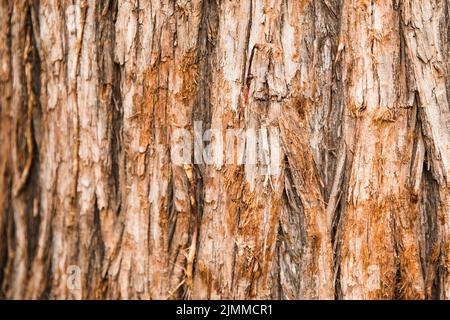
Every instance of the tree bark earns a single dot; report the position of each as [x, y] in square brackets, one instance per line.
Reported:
[93, 95]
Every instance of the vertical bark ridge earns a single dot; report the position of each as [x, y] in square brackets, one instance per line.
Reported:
[379, 224]
[422, 30]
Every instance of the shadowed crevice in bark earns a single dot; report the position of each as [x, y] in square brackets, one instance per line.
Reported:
[430, 234]
[33, 116]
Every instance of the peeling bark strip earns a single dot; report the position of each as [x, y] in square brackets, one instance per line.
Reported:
[94, 93]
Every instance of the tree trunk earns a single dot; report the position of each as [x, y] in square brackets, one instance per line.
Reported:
[354, 204]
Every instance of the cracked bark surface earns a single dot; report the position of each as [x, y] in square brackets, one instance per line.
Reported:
[93, 93]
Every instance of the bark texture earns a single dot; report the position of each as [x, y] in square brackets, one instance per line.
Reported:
[93, 93]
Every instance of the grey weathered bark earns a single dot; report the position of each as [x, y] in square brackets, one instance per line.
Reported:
[93, 93]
